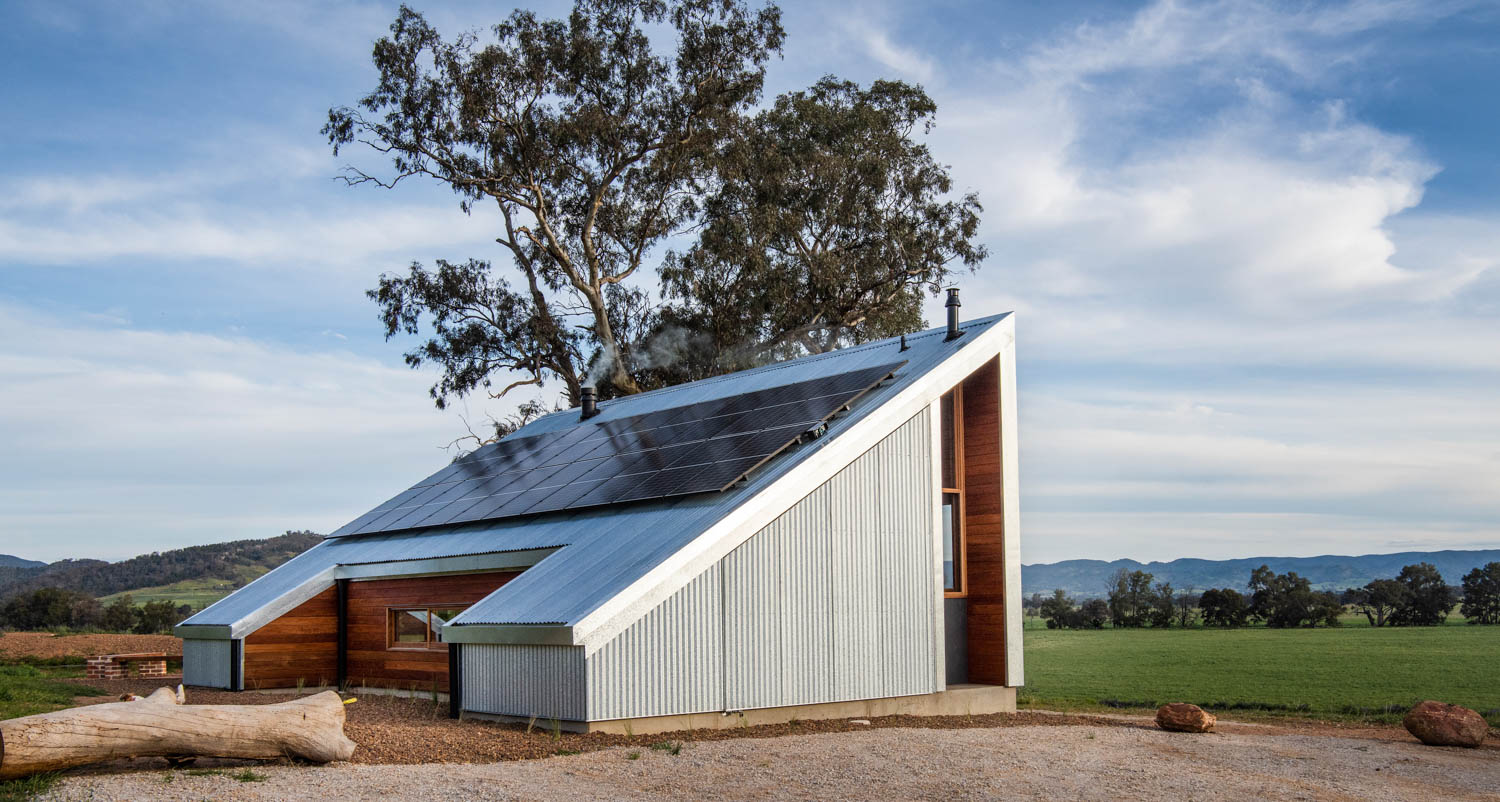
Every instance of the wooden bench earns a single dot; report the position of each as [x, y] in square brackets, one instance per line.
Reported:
[117, 666]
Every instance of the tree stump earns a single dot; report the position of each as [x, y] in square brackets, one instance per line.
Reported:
[310, 728]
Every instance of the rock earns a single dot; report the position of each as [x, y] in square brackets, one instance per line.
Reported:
[864, 721]
[1439, 724]
[1182, 717]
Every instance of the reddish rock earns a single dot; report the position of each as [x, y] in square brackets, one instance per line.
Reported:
[1182, 717]
[1439, 724]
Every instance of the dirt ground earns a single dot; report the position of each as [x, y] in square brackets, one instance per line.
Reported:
[401, 730]
[16, 645]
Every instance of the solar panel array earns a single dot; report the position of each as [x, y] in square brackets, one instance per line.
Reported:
[695, 448]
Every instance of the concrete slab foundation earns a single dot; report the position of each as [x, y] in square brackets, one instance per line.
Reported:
[958, 700]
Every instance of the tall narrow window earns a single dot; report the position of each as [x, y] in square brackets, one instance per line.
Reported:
[950, 440]
[953, 548]
[952, 468]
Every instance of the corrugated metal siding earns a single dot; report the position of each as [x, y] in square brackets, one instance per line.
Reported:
[883, 579]
[778, 611]
[524, 680]
[669, 662]
[205, 663]
[834, 600]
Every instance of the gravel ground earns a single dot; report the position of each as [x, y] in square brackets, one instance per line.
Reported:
[1101, 762]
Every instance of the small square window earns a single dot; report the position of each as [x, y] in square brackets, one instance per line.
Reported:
[419, 628]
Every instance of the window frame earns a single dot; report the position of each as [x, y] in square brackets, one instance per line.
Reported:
[393, 645]
[960, 545]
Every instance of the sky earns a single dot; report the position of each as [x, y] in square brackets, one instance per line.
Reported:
[1253, 250]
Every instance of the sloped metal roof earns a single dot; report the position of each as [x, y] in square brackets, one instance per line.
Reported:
[601, 551]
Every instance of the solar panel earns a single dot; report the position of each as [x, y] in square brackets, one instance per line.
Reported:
[694, 448]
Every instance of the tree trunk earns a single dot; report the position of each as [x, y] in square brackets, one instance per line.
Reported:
[310, 728]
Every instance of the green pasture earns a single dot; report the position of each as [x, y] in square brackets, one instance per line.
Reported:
[1349, 672]
[197, 592]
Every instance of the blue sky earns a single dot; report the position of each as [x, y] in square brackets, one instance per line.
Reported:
[1252, 247]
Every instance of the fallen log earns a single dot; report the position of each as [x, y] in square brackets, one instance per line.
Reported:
[159, 725]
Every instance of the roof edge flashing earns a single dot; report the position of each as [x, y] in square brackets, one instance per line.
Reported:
[510, 634]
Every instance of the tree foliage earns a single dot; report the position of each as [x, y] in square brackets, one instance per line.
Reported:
[1131, 599]
[825, 224]
[819, 220]
[1482, 595]
[587, 142]
[1425, 598]
[1288, 600]
[1379, 599]
[1223, 607]
[60, 609]
[1060, 613]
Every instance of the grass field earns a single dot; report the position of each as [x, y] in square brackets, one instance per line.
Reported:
[25, 690]
[1346, 672]
[198, 592]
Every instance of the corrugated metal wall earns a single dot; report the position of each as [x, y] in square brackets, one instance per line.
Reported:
[670, 661]
[835, 600]
[844, 587]
[206, 663]
[524, 680]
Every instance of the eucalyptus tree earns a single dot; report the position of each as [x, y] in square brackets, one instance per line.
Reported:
[586, 141]
[825, 223]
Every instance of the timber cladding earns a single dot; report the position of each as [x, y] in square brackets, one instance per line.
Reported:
[303, 644]
[984, 534]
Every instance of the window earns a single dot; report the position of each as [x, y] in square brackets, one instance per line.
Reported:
[418, 627]
[952, 464]
[953, 547]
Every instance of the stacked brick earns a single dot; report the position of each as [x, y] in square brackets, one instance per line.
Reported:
[117, 666]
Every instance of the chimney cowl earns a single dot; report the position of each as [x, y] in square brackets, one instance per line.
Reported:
[954, 332]
[589, 401]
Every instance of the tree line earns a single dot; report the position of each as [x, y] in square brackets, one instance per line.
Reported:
[54, 609]
[1417, 596]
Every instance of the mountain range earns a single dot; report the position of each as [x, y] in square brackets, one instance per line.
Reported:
[1090, 578]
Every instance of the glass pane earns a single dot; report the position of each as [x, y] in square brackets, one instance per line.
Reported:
[441, 617]
[409, 626]
[952, 545]
[950, 451]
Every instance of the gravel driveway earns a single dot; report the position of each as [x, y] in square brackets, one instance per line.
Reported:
[1040, 762]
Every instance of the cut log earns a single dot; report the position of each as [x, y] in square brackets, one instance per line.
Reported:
[310, 728]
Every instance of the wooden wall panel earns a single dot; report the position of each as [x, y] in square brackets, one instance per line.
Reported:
[303, 644]
[983, 525]
[371, 662]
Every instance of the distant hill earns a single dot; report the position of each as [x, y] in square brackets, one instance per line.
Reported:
[1088, 578]
[8, 561]
[220, 566]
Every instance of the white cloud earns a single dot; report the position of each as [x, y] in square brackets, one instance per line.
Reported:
[121, 440]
